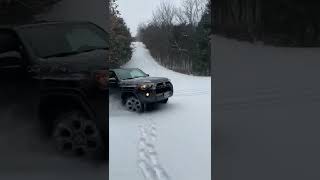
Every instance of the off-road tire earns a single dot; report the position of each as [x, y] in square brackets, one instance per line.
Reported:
[133, 104]
[164, 101]
[76, 135]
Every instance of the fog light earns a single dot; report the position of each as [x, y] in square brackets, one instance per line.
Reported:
[147, 94]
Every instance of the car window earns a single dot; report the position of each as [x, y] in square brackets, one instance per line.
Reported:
[112, 74]
[64, 39]
[77, 38]
[137, 73]
[129, 73]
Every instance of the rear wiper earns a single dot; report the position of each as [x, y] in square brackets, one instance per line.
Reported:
[63, 54]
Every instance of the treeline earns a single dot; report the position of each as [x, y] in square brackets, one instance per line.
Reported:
[275, 22]
[120, 50]
[178, 38]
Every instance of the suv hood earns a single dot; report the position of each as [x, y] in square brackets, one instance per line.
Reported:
[83, 63]
[142, 80]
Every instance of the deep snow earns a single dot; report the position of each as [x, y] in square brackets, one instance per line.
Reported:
[172, 141]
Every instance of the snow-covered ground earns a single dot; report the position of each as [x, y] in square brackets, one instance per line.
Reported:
[266, 120]
[171, 142]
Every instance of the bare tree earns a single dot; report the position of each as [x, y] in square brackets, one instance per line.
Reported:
[191, 11]
[164, 14]
[180, 16]
[174, 36]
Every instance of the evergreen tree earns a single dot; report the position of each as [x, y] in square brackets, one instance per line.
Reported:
[203, 48]
[120, 39]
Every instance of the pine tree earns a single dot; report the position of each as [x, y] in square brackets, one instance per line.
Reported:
[203, 49]
[120, 39]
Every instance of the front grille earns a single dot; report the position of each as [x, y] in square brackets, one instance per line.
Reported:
[163, 87]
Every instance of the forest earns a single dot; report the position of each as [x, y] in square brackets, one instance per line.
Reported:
[179, 37]
[276, 22]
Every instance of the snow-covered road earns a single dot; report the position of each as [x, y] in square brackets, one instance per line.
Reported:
[172, 141]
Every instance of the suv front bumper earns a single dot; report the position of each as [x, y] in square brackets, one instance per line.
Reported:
[153, 97]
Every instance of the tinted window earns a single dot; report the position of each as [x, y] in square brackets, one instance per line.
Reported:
[129, 73]
[64, 38]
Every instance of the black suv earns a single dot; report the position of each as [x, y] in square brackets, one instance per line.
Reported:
[62, 67]
[137, 89]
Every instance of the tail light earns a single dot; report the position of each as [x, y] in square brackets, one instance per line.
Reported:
[101, 78]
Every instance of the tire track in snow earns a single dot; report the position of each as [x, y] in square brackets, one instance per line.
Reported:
[148, 160]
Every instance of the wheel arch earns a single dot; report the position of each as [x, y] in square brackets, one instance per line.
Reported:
[125, 95]
[52, 105]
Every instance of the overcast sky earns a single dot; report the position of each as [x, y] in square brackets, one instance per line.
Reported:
[135, 12]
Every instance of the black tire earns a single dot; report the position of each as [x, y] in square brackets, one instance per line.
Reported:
[164, 101]
[76, 135]
[132, 103]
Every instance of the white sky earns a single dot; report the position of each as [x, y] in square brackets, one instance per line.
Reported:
[135, 12]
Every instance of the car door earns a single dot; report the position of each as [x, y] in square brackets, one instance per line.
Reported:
[113, 84]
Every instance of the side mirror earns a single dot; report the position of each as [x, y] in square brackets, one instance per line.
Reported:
[11, 59]
[148, 75]
[112, 80]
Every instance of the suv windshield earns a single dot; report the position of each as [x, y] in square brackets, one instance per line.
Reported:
[62, 39]
[124, 74]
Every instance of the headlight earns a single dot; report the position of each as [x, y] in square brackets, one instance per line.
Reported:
[145, 86]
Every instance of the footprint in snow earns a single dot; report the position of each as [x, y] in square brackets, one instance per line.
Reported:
[148, 160]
